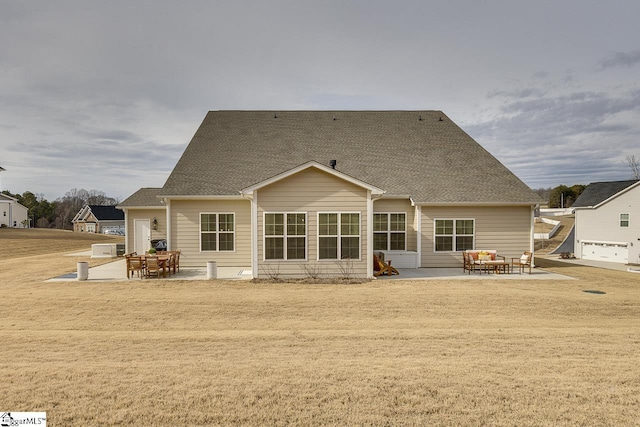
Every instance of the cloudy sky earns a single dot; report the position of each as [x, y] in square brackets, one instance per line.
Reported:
[105, 95]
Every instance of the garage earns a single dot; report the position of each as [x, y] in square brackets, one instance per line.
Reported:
[606, 251]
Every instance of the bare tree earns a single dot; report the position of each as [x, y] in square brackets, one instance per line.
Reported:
[633, 162]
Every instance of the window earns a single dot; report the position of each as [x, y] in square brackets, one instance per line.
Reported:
[217, 232]
[285, 236]
[389, 232]
[624, 220]
[338, 234]
[454, 235]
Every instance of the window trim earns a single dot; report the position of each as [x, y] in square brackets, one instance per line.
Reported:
[284, 236]
[339, 235]
[388, 232]
[453, 235]
[628, 220]
[217, 232]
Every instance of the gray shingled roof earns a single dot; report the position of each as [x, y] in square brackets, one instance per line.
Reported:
[598, 192]
[144, 197]
[420, 154]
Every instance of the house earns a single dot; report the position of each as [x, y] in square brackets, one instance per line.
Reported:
[12, 213]
[294, 192]
[99, 219]
[607, 226]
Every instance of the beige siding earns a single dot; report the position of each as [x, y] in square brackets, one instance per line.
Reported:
[312, 191]
[133, 214]
[603, 223]
[396, 206]
[185, 232]
[505, 229]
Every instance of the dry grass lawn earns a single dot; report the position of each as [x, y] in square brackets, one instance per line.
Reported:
[494, 353]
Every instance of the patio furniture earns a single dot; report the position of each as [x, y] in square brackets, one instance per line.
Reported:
[380, 267]
[497, 266]
[153, 267]
[469, 264]
[522, 262]
[486, 259]
[177, 261]
[171, 263]
[135, 264]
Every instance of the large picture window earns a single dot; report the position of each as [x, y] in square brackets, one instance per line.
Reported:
[389, 232]
[454, 235]
[217, 232]
[285, 236]
[339, 235]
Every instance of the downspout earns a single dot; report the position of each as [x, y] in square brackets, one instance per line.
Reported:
[167, 203]
[531, 231]
[368, 257]
[419, 236]
[369, 262]
[253, 198]
[126, 231]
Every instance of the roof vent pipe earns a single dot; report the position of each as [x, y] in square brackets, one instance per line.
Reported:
[332, 163]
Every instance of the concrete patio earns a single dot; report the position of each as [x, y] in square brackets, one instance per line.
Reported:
[116, 271]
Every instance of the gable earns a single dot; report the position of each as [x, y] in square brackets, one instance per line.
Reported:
[418, 154]
[312, 169]
[312, 189]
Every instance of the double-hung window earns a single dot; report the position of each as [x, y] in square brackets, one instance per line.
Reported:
[454, 235]
[339, 235]
[624, 220]
[389, 231]
[217, 232]
[285, 236]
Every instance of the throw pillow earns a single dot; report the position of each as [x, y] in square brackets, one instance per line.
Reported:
[524, 258]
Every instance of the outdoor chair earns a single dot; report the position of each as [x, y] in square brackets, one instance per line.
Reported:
[380, 267]
[153, 267]
[470, 264]
[177, 261]
[171, 263]
[134, 264]
[522, 262]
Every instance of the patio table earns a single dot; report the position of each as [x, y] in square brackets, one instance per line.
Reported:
[498, 266]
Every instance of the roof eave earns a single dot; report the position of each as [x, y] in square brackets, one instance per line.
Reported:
[465, 204]
[202, 197]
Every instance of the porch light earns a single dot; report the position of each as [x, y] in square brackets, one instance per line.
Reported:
[155, 224]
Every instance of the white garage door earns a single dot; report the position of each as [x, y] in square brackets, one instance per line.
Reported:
[611, 252]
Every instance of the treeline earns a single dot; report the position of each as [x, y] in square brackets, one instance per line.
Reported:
[60, 212]
[561, 196]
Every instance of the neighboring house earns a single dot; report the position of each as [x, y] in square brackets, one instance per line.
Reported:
[321, 191]
[12, 213]
[607, 226]
[99, 219]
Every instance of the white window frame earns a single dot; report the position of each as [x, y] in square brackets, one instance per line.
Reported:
[628, 220]
[339, 235]
[389, 231]
[285, 236]
[217, 232]
[454, 235]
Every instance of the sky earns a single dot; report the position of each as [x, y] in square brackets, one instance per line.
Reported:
[106, 95]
